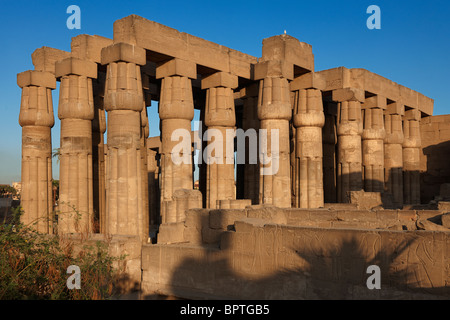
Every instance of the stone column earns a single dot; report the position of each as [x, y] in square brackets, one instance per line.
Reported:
[76, 112]
[36, 119]
[411, 157]
[219, 154]
[176, 111]
[308, 120]
[349, 130]
[145, 130]
[123, 103]
[250, 121]
[274, 113]
[373, 143]
[393, 152]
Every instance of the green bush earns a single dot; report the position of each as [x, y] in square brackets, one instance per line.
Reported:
[34, 266]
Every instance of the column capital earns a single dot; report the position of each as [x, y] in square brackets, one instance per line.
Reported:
[376, 101]
[412, 114]
[348, 94]
[36, 78]
[124, 52]
[75, 66]
[395, 108]
[309, 80]
[177, 67]
[220, 79]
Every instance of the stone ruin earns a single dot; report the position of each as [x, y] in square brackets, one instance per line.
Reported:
[362, 168]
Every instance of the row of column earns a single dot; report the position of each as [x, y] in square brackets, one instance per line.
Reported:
[377, 143]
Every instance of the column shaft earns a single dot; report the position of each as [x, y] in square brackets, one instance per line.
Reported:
[308, 120]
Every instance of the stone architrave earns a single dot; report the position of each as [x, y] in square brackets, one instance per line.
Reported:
[349, 130]
[123, 102]
[36, 119]
[220, 117]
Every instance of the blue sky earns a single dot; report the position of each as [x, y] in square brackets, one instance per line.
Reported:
[412, 48]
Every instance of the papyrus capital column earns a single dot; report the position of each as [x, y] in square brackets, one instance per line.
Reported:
[308, 119]
[76, 112]
[123, 102]
[274, 113]
[349, 130]
[411, 157]
[393, 151]
[176, 111]
[373, 143]
[220, 117]
[36, 119]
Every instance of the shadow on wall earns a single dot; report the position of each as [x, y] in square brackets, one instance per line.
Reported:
[322, 268]
[437, 170]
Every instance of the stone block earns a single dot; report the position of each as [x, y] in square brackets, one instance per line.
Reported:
[76, 66]
[36, 78]
[446, 220]
[124, 52]
[177, 67]
[365, 200]
[234, 203]
[249, 224]
[171, 233]
[376, 101]
[210, 236]
[348, 94]
[44, 58]
[89, 47]
[290, 49]
[222, 218]
[444, 206]
[309, 80]
[274, 68]
[395, 108]
[268, 212]
[412, 114]
[220, 79]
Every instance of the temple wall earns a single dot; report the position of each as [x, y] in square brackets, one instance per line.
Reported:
[435, 155]
[259, 260]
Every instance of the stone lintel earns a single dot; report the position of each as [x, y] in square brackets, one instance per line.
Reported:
[76, 66]
[88, 47]
[177, 67]
[348, 94]
[309, 80]
[376, 101]
[412, 114]
[274, 68]
[220, 79]
[395, 108]
[36, 78]
[125, 52]
[44, 58]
